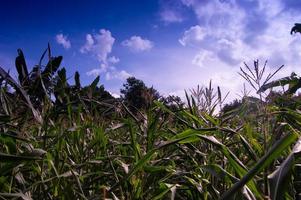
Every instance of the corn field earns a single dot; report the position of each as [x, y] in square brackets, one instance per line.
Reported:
[63, 141]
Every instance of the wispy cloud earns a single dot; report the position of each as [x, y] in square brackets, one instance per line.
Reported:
[203, 58]
[94, 72]
[113, 60]
[171, 11]
[170, 16]
[188, 2]
[138, 44]
[63, 40]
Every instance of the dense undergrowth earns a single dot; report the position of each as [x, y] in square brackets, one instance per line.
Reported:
[62, 141]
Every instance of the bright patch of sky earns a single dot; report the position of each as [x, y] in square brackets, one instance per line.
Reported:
[171, 44]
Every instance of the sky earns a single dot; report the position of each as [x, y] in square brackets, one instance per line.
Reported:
[171, 45]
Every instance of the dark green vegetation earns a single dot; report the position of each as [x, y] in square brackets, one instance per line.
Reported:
[63, 141]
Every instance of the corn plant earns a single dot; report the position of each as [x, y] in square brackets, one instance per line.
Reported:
[63, 141]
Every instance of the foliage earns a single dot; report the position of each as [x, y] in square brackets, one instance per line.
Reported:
[137, 95]
[63, 141]
[173, 103]
[231, 106]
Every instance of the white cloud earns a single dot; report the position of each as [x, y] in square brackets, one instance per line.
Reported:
[193, 35]
[188, 2]
[227, 26]
[102, 69]
[63, 40]
[138, 44]
[270, 9]
[113, 60]
[121, 75]
[226, 34]
[203, 58]
[124, 75]
[88, 45]
[109, 74]
[170, 16]
[221, 19]
[223, 41]
[115, 95]
[94, 72]
[100, 45]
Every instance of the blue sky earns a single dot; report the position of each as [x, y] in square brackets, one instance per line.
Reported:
[170, 44]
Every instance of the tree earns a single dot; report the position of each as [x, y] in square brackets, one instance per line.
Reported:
[137, 95]
[231, 106]
[173, 102]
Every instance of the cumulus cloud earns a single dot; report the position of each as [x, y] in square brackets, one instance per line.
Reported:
[88, 45]
[63, 40]
[224, 35]
[138, 44]
[100, 45]
[193, 35]
[121, 75]
[226, 29]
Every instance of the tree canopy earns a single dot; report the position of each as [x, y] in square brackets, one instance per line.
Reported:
[137, 95]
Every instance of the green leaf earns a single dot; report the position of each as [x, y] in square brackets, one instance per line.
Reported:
[51, 67]
[267, 159]
[168, 187]
[77, 80]
[248, 147]
[142, 162]
[292, 80]
[278, 177]
[94, 83]
[21, 68]
[237, 165]
[220, 173]
[18, 88]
